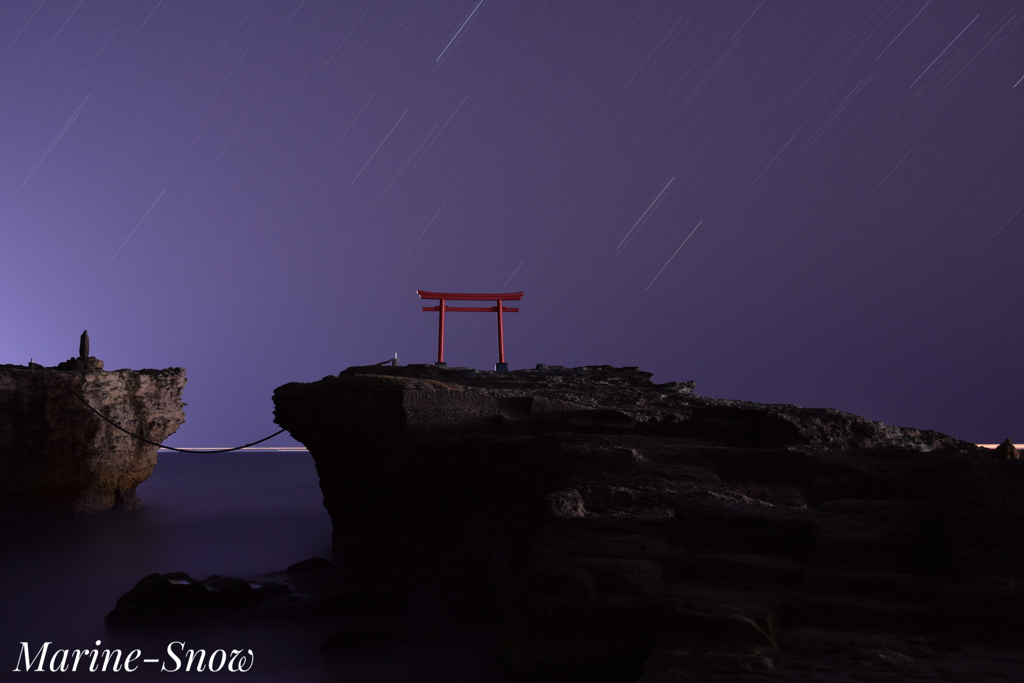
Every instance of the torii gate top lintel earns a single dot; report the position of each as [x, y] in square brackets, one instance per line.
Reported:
[498, 308]
[454, 296]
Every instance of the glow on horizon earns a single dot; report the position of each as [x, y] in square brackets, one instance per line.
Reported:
[221, 448]
[1018, 446]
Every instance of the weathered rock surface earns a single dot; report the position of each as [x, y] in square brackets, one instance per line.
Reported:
[632, 531]
[58, 455]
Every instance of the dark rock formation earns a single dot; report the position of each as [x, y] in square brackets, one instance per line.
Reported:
[176, 599]
[632, 531]
[313, 587]
[363, 610]
[1007, 451]
[56, 454]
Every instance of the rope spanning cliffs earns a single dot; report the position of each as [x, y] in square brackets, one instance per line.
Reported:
[626, 530]
[87, 363]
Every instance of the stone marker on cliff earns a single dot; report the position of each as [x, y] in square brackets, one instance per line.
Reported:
[83, 362]
[58, 455]
[628, 531]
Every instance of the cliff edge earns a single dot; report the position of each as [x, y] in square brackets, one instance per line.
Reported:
[57, 455]
[627, 530]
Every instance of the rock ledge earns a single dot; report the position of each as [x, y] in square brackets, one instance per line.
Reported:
[627, 530]
[57, 455]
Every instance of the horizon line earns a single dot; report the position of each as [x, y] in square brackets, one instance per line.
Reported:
[1019, 446]
[224, 448]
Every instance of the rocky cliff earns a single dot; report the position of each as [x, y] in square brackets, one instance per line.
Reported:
[628, 530]
[56, 454]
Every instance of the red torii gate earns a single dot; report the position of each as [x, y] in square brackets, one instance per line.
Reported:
[498, 308]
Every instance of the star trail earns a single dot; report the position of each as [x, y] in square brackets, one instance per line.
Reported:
[254, 190]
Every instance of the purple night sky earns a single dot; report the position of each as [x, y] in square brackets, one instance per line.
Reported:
[816, 203]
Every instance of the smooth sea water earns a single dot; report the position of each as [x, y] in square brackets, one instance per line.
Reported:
[234, 514]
